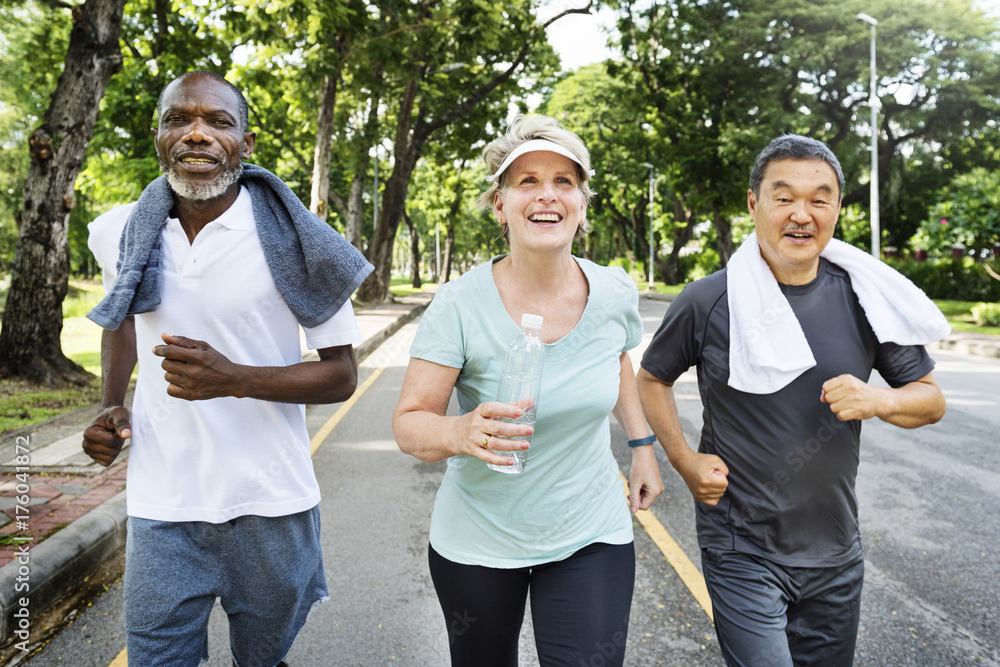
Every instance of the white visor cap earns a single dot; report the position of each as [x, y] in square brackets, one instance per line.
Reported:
[532, 146]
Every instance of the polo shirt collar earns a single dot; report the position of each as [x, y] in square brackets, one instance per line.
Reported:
[239, 216]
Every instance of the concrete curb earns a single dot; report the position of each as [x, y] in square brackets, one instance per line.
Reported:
[657, 296]
[371, 344]
[978, 347]
[64, 560]
[61, 562]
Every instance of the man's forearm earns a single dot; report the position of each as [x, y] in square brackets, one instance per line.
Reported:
[118, 359]
[913, 405]
[330, 380]
[660, 408]
[706, 475]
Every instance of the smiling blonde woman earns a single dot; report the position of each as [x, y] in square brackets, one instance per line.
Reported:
[561, 530]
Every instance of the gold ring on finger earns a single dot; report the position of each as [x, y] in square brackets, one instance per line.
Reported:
[485, 440]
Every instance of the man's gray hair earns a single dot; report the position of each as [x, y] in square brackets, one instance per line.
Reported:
[794, 147]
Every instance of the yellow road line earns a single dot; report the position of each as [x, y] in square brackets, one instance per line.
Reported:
[685, 569]
[121, 660]
[331, 424]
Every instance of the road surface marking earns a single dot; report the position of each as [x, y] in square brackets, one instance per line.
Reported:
[121, 660]
[324, 432]
[678, 560]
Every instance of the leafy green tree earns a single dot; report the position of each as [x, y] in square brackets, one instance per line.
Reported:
[465, 54]
[33, 39]
[612, 117]
[727, 76]
[937, 80]
[968, 213]
[298, 65]
[706, 81]
[442, 203]
[32, 320]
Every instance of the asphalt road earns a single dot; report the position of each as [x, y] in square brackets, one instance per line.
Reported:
[930, 515]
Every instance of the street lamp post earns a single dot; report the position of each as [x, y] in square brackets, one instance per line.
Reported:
[652, 173]
[873, 103]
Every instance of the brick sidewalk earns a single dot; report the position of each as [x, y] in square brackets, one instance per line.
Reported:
[55, 501]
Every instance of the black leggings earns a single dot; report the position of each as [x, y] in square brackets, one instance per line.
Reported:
[579, 606]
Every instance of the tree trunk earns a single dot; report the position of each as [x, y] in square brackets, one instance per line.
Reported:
[414, 250]
[320, 195]
[671, 268]
[449, 239]
[449, 246]
[411, 137]
[355, 212]
[355, 203]
[376, 288]
[723, 235]
[32, 321]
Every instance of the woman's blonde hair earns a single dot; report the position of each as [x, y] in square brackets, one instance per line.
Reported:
[525, 128]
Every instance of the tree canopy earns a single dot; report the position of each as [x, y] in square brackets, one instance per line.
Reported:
[694, 89]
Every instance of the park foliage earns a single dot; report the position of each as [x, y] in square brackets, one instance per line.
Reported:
[376, 114]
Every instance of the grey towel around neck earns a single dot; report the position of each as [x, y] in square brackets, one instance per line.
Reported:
[314, 268]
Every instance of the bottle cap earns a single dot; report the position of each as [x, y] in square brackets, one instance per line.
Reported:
[529, 321]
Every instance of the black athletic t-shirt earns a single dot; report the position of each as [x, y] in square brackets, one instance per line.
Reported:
[792, 463]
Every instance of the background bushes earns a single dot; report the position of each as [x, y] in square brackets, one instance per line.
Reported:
[958, 279]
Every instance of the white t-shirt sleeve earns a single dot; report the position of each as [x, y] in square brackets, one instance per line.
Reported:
[105, 234]
[341, 329]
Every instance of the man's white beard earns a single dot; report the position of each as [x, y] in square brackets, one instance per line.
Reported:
[205, 191]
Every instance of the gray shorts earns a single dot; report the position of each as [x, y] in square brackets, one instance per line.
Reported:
[267, 571]
[770, 615]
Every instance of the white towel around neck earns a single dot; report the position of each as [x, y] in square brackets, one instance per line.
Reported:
[767, 348]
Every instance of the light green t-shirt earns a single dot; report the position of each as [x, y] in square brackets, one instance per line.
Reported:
[570, 494]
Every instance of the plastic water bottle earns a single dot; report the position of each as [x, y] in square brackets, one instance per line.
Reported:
[521, 382]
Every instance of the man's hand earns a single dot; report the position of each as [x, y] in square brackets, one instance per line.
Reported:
[195, 370]
[104, 438]
[913, 405]
[851, 398]
[706, 475]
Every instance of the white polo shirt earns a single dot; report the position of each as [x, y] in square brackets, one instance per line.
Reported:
[217, 459]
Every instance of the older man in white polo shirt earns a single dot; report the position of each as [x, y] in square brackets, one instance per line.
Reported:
[210, 276]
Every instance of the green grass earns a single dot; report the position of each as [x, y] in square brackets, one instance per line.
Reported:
[959, 314]
[81, 338]
[660, 288]
[23, 404]
[403, 286]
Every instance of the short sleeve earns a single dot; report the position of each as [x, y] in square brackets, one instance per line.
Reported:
[440, 336]
[677, 344]
[341, 329]
[628, 294]
[104, 237]
[901, 364]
